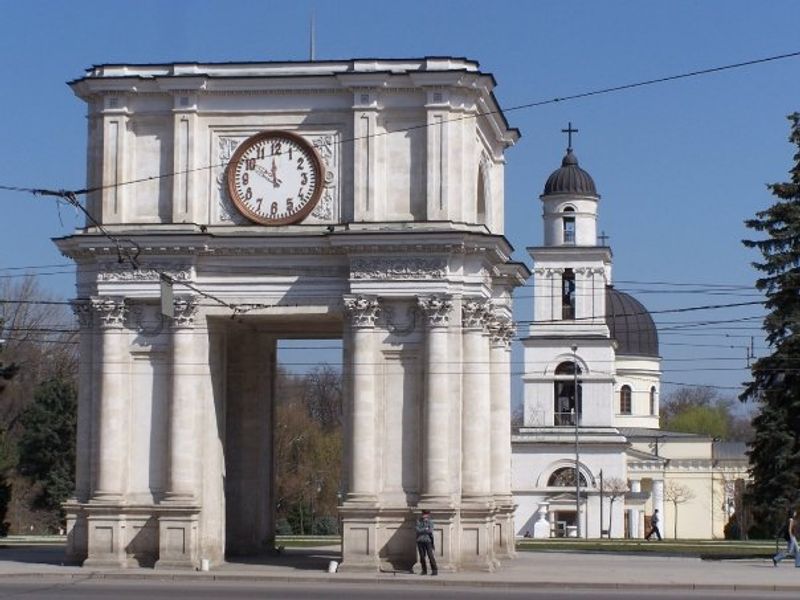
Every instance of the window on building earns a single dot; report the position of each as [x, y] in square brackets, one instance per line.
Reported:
[567, 407]
[565, 477]
[481, 197]
[568, 294]
[625, 400]
[653, 400]
[569, 225]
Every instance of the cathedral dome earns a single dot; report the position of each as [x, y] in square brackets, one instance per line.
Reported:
[570, 179]
[630, 324]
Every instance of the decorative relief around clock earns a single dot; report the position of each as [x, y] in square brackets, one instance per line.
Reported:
[278, 178]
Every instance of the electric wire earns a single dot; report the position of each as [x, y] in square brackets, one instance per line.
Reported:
[475, 115]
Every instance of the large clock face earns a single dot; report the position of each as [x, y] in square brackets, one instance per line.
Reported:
[275, 178]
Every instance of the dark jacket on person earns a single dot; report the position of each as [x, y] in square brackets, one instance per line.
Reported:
[425, 530]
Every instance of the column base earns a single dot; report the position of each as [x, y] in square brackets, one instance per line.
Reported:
[106, 541]
[504, 529]
[477, 539]
[178, 539]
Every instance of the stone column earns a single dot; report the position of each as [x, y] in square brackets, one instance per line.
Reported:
[177, 522]
[185, 357]
[83, 312]
[436, 489]
[476, 415]
[501, 333]
[112, 407]
[658, 503]
[363, 311]
[633, 513]
[77, 534]
[360, 511]
[106, 526]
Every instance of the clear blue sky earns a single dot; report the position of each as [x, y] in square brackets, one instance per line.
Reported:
[679, 165]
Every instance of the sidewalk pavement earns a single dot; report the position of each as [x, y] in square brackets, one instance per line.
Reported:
[529, 569]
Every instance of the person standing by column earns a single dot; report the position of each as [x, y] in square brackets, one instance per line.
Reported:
[790, 535]
[425, 544]
[654, 521]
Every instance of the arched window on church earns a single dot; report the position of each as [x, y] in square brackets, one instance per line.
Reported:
[653, 400]
[565, 477]
[567, 404]
[568, 294]
[569, 225]
[481, 197]
[625, 400]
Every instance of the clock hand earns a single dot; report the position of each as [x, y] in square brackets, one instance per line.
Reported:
[268, 175]
[263, 172]
[275, 181]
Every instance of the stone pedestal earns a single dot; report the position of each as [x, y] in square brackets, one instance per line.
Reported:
[107, 537]
[178, 538]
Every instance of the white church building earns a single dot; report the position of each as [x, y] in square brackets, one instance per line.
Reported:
[591, 385]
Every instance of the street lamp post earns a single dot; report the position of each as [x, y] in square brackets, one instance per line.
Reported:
[576, 415]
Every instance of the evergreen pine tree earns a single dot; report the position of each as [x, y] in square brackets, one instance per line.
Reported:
[775, 385]
[47, 444]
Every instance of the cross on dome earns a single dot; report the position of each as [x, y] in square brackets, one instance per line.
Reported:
[569, 131]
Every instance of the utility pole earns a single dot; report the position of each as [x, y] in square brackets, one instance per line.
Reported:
[576, 416]
[601, 504]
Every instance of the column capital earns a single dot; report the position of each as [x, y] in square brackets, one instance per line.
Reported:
[362, 310]
[112, 310]
[501, 332]
[475, 314]
[82, 308]
[436, 309]
[185, 311]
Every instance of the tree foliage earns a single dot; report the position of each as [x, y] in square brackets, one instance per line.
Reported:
[47, 443]
[308, 449]
[775, 384]
[704, 411]
[39, 344]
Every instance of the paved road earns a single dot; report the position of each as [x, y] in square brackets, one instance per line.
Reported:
[153, 590]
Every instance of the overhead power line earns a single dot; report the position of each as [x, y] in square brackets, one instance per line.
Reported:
[475, 115]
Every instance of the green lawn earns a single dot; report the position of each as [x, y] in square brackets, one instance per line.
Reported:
[710, 549]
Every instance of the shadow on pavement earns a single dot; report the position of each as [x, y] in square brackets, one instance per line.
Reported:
[43, 554]
[305, 559]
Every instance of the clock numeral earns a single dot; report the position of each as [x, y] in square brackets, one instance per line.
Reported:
[290, 153]
[248, 194]
[258, 204]
[289, 205]
[260, 151]
[303, 178]
[245, 179]
[250, 164]
[275, 149]
[273, 210]
[300, 163]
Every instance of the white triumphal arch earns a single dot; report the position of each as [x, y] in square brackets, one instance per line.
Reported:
[237, 204]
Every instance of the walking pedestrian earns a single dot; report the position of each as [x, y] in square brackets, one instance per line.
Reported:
[789, 532]
[654, 521]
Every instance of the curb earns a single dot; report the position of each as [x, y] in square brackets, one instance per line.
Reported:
[441, 581]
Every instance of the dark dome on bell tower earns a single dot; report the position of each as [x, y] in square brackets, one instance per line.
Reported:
[570, 179]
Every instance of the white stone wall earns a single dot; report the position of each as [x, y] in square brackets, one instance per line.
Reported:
[402, 258]
[393, 138]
